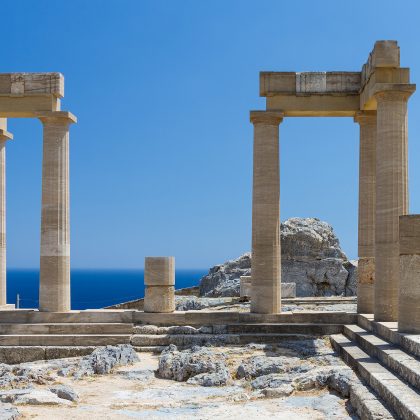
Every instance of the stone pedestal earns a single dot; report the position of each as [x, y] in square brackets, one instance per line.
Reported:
[54, 287]
[4, 136]
[409, 296]
[159, 283]
[391, 198]
[266, 262]
[245, 286]
[367, 206]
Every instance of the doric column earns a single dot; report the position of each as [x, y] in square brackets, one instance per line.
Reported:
[367, 176]
[391, 198]
[54, 288]
[266, 258]
[4, 136]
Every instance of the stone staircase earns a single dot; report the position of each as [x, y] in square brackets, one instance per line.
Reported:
[35, 336]
[390, 371]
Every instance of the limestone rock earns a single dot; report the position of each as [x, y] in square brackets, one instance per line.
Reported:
[66, 392]
[262, 365]
[104, 359]
[282, 391]
[273, 380]
[8, 412]
[198, 365]
[40, 397]
[311, 258]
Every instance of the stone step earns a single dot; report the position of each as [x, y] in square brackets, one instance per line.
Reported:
[29, 316]
[400, 362]
[389, 332]
[66, 328]
[403, 400]
[64, 339]
[181, 340]
[314, 329]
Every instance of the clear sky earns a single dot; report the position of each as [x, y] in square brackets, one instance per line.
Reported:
[161, 159]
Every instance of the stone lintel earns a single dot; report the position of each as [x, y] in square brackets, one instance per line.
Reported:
[309, 83]
[314, 105]
[64, 116]
[29, 84]
[27, 106]
[409, 231]
[266, 117]
[5, 135]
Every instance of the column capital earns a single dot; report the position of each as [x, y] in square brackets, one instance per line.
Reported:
[266, 117]
[60, 117]
[393, 91]
[365, 117]
[5, 135]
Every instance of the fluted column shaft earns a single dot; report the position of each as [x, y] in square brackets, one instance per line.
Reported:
[391, 198]
[4, 136]
[266, 258]
[367, 205]
[54, 292]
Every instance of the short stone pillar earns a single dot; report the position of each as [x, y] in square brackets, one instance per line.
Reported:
[409, 296]
[159, 283]
[245, 286]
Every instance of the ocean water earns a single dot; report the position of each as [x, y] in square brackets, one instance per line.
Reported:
[91, 289]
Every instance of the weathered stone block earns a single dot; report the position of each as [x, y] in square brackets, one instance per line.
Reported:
[159, 271]
[245, 286]
[409, 303]
[159, 299]
[288, 290]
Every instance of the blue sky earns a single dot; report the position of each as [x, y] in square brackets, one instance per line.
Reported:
[161, 159]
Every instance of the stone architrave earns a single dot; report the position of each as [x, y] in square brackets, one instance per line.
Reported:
[159, 282]
[4, 136]
[54, 288]
[266, 260]
[367, 186]
[409, 297]
[391, 198]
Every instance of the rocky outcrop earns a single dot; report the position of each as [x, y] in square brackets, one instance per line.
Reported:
[311, 258]
[198, 366]
[104, 359]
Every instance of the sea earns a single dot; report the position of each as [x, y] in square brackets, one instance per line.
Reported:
[92, 289]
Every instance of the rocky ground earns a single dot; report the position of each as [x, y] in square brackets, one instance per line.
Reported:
[300, 379]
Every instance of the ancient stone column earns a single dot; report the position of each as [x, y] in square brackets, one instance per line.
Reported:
[266, 258]
[367, 186]
[159, 282]
[54, 287]
[4, 136]
[409, 298]
[391, 198]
